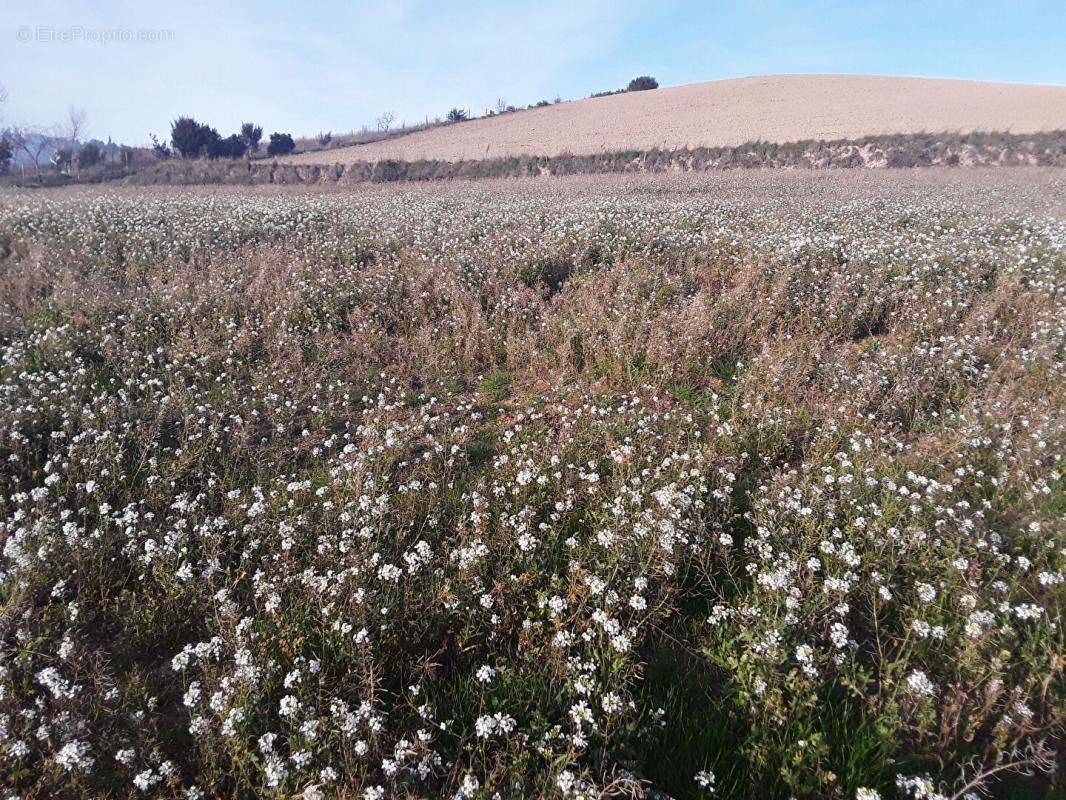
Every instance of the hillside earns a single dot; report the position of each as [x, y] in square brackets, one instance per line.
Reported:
[782, 108]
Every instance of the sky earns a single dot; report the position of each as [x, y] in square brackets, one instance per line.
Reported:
[337, 65]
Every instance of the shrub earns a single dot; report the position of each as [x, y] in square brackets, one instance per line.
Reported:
[232, 146]
[191, 138]
[388, 170]
[89, 155]
[6, 152]
[458, 115]
[642, 84]
[160, 149]
[899, 158]
[281, 144]
[63, 158]
[324, 139]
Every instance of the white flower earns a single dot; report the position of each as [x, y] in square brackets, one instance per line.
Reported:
[74, 757]
[145, 780]
[919, 683]
[275, 771]
[484, 726]
[289, 706]
[611, 703]
[565, 781]
[926, 593]
[469, 785]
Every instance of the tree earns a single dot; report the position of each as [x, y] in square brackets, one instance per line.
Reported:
[232, 146]
[33, 143]
[281, 144]
[501, 105]
[89, 155]
[385, 121]
[251, 134]
[6, 152]
[191, 138]
[7, 147]
[62, 159]
[70, 130]
[642, 84]
[458, 115]
[74, 126]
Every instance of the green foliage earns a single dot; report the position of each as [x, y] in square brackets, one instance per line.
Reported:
[642, 84]
[281, 144]
[192, 139]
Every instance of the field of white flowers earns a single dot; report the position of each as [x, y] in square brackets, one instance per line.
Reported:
[732, 487]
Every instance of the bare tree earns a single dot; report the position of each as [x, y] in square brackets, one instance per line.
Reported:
[33, 143]
[72, 129]
[501, 105]
[385, 121]
[74, 126]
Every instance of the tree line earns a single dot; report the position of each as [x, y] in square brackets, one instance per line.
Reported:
[192, 139]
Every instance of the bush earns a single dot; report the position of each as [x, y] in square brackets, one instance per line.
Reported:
[388, 170]
[89, 155]
[233, 146]
[458, 115]
[281, 144]
[250, 135]
[6, 153]
[160, 149]
[191, 138]
[63, 158]
[642, 84]
[324, 139]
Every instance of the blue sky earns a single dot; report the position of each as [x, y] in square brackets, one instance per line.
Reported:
[309, 67]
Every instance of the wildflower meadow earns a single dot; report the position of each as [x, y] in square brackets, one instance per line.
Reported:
[740, 486]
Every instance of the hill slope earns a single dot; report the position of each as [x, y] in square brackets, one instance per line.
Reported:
[778, 108]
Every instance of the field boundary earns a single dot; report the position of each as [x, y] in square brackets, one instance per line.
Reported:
[897, 151]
